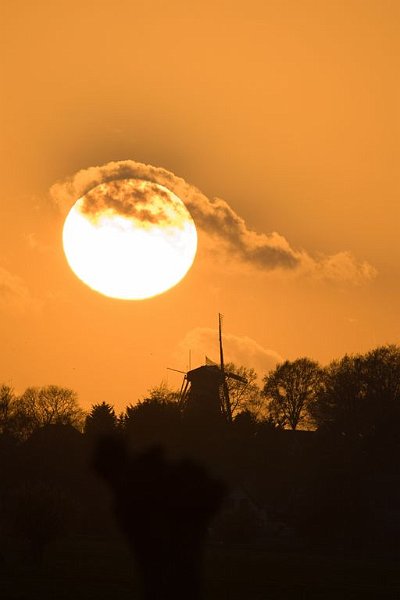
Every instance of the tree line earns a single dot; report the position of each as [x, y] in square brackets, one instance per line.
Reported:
[357, 394]
[312, 448]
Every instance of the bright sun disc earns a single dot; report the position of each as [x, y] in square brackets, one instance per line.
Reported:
[130, 239]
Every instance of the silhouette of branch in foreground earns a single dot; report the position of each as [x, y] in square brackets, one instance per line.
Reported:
[164, 509]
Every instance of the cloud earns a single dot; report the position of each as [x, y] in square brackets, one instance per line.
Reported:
[13, 292]
[241, 350]
[343, 267]
[145, 202]
[215, 218]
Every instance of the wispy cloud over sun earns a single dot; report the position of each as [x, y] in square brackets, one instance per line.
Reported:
[216, 219]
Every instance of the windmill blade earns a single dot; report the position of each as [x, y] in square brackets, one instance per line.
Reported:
[176, 370]
[183, 392]
[235, 376]
[226, 401]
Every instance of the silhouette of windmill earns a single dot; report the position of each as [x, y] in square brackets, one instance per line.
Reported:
[205, 389]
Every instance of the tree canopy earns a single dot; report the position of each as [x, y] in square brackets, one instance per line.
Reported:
[244, 395]
[291, 388]
[48, 405]
[361, 393]
[101, 420]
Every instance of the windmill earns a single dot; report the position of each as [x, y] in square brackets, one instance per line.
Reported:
[205, 389]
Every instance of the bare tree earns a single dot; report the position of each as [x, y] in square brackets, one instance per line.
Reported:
[162, 393]
[292, 388]
[7, 408]
[244, 395]
[48, 405]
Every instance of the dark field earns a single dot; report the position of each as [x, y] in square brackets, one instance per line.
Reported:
[285, 514]
[100, 569]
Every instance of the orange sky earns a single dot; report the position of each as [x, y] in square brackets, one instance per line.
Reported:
[287, 110]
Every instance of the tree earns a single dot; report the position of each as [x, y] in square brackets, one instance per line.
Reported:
[49, 405]
[245, 423]
[361, 393]
[339, 402]
[163, 394]
[7, 408]
[244, 396]
[382, 383]
[153, 420]
[101, 420]
[291, 389]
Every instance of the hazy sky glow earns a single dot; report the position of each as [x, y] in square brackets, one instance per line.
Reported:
[277, 125]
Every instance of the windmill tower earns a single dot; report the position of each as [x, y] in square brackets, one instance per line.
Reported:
[205, 390]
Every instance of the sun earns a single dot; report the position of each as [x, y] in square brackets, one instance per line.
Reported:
[130, 239]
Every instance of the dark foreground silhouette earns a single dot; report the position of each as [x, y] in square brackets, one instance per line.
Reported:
[310, 514]
[164, 509]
